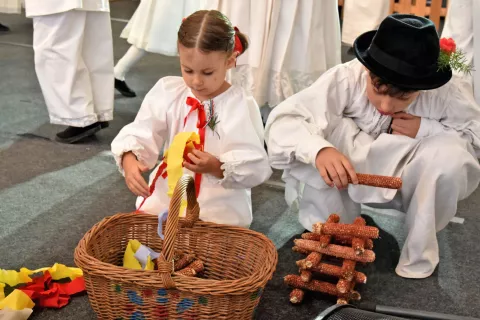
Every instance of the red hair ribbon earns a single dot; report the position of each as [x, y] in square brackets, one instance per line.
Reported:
[238, 44]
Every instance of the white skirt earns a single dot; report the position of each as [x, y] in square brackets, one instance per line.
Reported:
[154, 25]
[360, 16]
[253, 18]
[10, 6]
[303, 43]
[463, 24]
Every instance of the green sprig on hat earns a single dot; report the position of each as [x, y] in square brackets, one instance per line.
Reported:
[452, 58]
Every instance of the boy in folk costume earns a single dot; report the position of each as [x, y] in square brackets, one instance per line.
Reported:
[73, 48]
[341, 125]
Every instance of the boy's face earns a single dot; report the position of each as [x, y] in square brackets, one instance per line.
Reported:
[204, 73]
[386, 104]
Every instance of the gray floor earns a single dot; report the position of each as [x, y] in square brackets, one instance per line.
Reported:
[51, 194]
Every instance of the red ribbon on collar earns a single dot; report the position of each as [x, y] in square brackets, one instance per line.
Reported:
[201, 126]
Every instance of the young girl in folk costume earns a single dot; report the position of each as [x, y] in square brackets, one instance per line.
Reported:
[231, 157]
[399, 84]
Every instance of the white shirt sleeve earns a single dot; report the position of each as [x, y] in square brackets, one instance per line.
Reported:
[296, 128]
[245, 161]
[145, 136]
[430, 127]
[459, 113]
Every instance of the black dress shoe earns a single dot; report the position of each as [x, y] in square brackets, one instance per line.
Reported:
[74, 134]
[122, 87]
[104, 124]
[4, 28]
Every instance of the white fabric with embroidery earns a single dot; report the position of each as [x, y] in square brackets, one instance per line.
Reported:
[303, 42]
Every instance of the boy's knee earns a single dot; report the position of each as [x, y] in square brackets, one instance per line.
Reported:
[448, 157]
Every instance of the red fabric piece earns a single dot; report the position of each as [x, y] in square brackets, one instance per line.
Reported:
[160, 172]
[201, 125]
[48, 294]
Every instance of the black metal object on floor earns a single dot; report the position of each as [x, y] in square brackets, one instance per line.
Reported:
[372, 311]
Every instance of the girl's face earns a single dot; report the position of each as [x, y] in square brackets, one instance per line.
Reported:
[204, 73]
[385, 104]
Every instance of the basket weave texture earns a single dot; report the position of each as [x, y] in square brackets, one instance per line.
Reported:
[238, 264]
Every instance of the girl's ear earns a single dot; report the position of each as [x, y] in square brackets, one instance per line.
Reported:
[231, 61]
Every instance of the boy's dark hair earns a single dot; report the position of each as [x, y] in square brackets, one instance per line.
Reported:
[384, 87]
[210, 30]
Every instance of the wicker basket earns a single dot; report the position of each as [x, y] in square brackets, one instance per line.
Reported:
[238, 263]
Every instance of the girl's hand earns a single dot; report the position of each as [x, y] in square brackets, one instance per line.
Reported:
[133, 175]
[335, 168]
[204, 162]
[406, 124]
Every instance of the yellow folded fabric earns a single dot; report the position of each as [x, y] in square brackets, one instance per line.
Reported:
[57, 271]
[17, 300]
[129, 260]
[13, 278]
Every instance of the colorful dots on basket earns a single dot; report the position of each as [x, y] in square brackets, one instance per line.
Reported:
[137, 315]
[256, 294]
[117, 288]
[203, 301]
[184, 305]
[147, 293]
[129, 308]
[162, 296]
[161, 312]
[134, 297]
[162, 300]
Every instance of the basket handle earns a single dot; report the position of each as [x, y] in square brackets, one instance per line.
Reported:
[185, 185]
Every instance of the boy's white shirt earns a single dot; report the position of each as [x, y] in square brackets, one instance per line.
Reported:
[239, 145]
[336, 108]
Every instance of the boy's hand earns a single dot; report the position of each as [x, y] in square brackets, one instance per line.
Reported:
[133, 175]
[405, 124]
[335, 168]
[204, 162]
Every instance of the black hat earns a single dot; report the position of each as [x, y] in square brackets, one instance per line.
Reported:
[404, 52]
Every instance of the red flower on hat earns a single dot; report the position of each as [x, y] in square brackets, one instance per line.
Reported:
[448, 45]
[451, 58]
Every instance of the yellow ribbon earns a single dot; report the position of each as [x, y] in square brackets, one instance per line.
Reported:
[175, 156]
